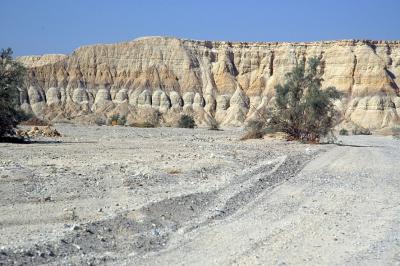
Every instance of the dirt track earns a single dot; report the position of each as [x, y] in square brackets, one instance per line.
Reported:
[117, 195]
[343, 208]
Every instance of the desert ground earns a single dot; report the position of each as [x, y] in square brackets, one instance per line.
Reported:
[168, 196]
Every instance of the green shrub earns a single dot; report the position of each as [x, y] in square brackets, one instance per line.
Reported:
[12, 75]
[361, 131]
[117, 120]
[303, 110]
[121, 121]
[24, 116]
[186, 121]
[344, 132]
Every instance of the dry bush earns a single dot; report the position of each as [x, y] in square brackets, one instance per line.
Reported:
[255, 129]
[174, 171]
[34, 121]
[361, 131]
[146, 119]
[143, 125]
[100, 121]
[252, 135]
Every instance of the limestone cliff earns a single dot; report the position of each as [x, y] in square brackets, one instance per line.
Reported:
[225, 81]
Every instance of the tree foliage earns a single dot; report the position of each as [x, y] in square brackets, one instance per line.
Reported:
[186, 121]
[303, 110]
[11, 79]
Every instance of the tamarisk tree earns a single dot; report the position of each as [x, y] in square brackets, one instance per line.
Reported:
[303, 109]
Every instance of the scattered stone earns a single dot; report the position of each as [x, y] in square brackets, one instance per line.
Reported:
[35, 131]
[47, 198]
[89, 231]
[75, 227]
[41, 254]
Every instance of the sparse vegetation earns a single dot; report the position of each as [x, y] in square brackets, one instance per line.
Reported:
[121, 121]
[143, 125]
[255, 129]
[186, 121]
[344, 132]
[65, 121]
[361, 131]
[150, 120]
[11, 79]
[396, 132]
[174, 171]
[214, 125]
[24, 116]
[34, 121]
[100, 121]
[303, 110]
[117, 120]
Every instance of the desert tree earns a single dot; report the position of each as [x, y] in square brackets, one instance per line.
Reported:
[303, 109]
[12, 75]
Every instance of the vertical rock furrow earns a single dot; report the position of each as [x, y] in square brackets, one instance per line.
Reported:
[224, 81]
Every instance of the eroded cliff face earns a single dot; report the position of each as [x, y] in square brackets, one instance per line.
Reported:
[210, 80]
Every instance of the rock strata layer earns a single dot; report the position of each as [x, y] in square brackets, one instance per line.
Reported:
[223, 81]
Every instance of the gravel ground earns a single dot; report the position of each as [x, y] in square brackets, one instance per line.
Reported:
[115, 195]
[343, 208]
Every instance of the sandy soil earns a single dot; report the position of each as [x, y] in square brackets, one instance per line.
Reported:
[114, 195]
